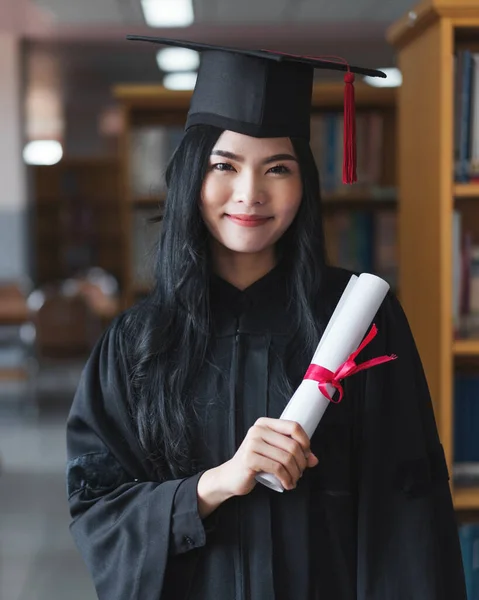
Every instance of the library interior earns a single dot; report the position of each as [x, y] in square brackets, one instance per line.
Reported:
[89, 122]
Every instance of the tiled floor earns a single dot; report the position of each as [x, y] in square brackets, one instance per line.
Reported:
[38, 559]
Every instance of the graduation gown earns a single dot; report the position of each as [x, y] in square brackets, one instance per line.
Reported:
[373, 521]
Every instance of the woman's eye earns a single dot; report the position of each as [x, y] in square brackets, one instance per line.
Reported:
[222, 167]
[279, 170]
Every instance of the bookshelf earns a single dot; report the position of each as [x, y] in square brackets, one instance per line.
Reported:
[153, 106]
[427, 39]
[77, 221]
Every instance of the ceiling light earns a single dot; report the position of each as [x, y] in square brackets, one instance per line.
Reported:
[393, 79]
[178, 59]
[43, 152]
[180, 81]
[168, 13]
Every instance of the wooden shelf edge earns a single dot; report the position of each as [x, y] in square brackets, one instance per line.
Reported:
[415, 21]
[360, 196]
[151, 94]
[466, 347]
[466, 498]
[327, 94]
[411, 24]
[13, 374]
[466, 190]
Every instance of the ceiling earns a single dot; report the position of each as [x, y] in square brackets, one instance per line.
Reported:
[86, 38]
[128, 12]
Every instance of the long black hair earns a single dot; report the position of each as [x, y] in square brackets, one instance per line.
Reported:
[171, 328]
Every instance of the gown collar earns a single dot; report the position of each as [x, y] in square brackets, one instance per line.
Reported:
[262, 307]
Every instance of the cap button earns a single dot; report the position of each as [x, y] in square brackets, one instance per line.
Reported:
[349, 77]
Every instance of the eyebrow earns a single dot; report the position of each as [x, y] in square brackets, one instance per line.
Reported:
[266, 161]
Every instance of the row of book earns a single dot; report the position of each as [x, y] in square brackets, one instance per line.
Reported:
[327, 130]
[363, 241]
[153, 146]
[466, 468]
[465, 288]
[469, 539]
[466, 116]
[466, 428]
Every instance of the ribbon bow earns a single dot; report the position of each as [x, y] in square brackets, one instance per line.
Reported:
[324, 376]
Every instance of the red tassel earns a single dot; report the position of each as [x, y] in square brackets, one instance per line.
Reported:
[349, 151]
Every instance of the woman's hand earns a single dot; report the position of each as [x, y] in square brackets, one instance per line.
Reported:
[271, 445]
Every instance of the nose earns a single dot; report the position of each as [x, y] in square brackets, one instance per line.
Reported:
[249, 190]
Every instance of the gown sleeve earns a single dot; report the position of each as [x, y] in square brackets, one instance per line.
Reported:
[408, 544]
[125, 524]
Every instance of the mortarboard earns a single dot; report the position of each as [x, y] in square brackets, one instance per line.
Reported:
[264, 93]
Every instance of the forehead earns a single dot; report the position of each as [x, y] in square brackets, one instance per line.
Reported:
[247, 145]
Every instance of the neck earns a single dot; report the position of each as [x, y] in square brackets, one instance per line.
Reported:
[239, 268]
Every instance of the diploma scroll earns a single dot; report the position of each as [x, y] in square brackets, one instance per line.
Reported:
[349, 323]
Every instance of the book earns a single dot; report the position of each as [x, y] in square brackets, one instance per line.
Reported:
[469, 541]
[463, 103]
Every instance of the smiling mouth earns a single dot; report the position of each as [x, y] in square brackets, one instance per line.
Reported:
[248, 220]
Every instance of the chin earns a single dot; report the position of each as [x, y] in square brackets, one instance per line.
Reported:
[246, 248]
[256, 244]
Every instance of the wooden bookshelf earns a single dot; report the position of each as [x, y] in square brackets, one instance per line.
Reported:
[152, 105]
[78, 218]
[466, 498]
[426, 40]
[466, 348]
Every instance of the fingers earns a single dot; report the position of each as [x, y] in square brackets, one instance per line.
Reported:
[291, 428]
[278, 455]
[284, 444]
[264, 464]
[288, 446]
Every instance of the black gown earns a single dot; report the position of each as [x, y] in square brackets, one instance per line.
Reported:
[373, 521]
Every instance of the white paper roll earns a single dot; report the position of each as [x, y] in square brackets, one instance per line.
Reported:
[347, 327]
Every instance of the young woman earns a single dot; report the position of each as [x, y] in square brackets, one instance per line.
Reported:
[177, 410]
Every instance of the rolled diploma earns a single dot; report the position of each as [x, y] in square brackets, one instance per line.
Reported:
[337, 310]
[346, 329]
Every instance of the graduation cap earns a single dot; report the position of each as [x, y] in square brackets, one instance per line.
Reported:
[264, 93]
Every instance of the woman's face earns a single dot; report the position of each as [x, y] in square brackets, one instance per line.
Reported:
[252, 191]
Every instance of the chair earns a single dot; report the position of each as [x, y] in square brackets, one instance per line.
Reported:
[66, 329]
[17, 334]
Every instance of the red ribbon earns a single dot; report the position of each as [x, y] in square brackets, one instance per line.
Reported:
[324, 376]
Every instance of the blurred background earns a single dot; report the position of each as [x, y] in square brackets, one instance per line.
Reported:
[88, 122]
